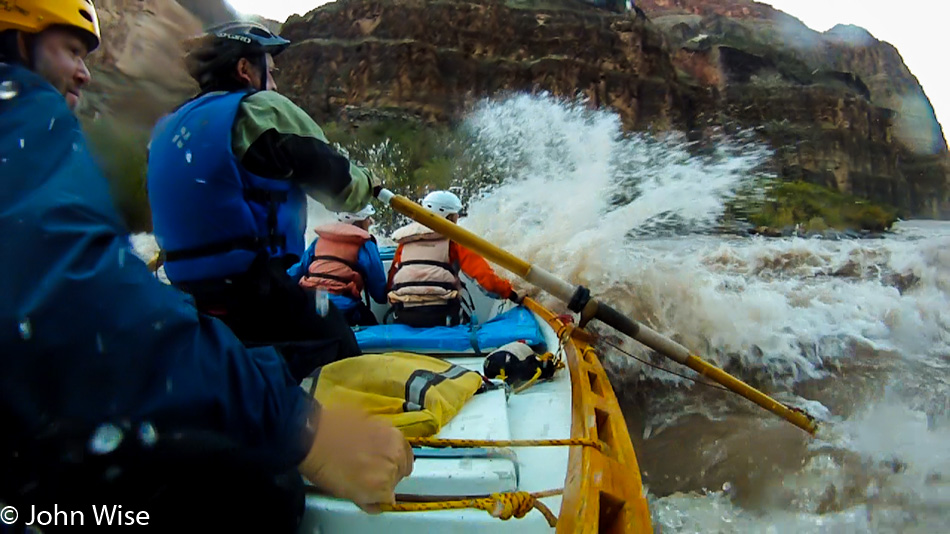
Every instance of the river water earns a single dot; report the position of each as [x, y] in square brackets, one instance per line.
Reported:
[855, 331]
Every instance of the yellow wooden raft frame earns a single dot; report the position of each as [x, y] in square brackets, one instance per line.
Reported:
[602, 492]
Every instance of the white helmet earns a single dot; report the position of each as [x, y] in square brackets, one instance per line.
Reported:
[444, 203]
[351, 217]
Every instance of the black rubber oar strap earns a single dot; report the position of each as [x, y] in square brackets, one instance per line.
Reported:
[579, 300]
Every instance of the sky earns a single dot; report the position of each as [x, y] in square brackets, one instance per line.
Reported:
[915, 27]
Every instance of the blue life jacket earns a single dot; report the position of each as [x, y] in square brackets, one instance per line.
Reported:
[89, 336]
[211, 216]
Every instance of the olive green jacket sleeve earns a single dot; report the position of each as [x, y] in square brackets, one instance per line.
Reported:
[272, 137]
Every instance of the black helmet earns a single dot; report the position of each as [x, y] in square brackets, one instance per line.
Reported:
[211, 57]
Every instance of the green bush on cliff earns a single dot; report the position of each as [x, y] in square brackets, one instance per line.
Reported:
[818, 208]
[412, 158]
[121, 152]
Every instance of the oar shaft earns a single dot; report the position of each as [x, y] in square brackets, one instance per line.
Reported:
[566, 292]
[673, 350]
[796, 417]
[458, 234]
[532, 274]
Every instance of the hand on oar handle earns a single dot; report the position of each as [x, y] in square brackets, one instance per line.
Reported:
[357, 458]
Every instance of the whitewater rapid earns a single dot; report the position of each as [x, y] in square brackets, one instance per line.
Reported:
[855, 331]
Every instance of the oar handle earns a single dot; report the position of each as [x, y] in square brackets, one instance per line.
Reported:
[578, 299]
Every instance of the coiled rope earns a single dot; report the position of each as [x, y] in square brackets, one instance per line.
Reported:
[504, 506]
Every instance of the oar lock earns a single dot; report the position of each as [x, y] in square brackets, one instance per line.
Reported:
[581, 303]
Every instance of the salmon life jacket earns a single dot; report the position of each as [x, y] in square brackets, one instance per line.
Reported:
[424, 275]
[334, 265]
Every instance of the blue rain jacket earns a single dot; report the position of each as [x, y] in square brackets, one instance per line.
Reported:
[87, 334]
[368, 259]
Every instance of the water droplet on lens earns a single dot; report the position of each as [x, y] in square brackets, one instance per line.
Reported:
[8, 90]
[106, 439]
[147, 434]
[26, 329]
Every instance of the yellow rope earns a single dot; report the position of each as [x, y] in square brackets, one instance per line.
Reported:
[440, 443]
[529, 383]
[504, 506]
[547, 356]
[501, 505]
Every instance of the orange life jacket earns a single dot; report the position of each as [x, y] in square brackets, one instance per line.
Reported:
[334, 265]
[424, 275]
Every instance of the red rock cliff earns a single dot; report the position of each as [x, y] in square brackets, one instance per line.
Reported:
[840, 108]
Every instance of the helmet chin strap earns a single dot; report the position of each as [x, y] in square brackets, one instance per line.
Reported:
[263, 66]
[32, 43]
[13, 53]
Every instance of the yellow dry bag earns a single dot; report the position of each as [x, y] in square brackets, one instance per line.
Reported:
[418, 393]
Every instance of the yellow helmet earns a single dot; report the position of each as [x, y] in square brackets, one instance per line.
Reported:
[34, 16]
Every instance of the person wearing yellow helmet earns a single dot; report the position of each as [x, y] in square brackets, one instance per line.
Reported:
[51, 38]
[113, 387]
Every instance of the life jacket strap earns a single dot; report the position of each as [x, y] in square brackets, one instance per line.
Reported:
[329, 277]
[265, 196]
[356, 267]
[443, 285]
[273, 200]
[221, 247]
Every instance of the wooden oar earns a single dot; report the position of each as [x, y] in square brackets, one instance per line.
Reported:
[579, 300]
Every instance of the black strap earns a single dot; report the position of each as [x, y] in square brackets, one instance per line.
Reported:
[579, 300]
[272, 199]
[443, 285]
[357, 268]
[264, 196]
[470, 303]
[352, 265]
[329, 277]
[241, 243]
[450, 311]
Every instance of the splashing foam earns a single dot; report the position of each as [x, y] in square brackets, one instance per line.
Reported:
[630, 217]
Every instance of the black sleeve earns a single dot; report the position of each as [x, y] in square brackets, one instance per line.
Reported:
[305, 160]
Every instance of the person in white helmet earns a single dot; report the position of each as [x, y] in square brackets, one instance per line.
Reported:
[343, 260]
[424, 279]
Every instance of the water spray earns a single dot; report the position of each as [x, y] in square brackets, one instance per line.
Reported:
[579, 300]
